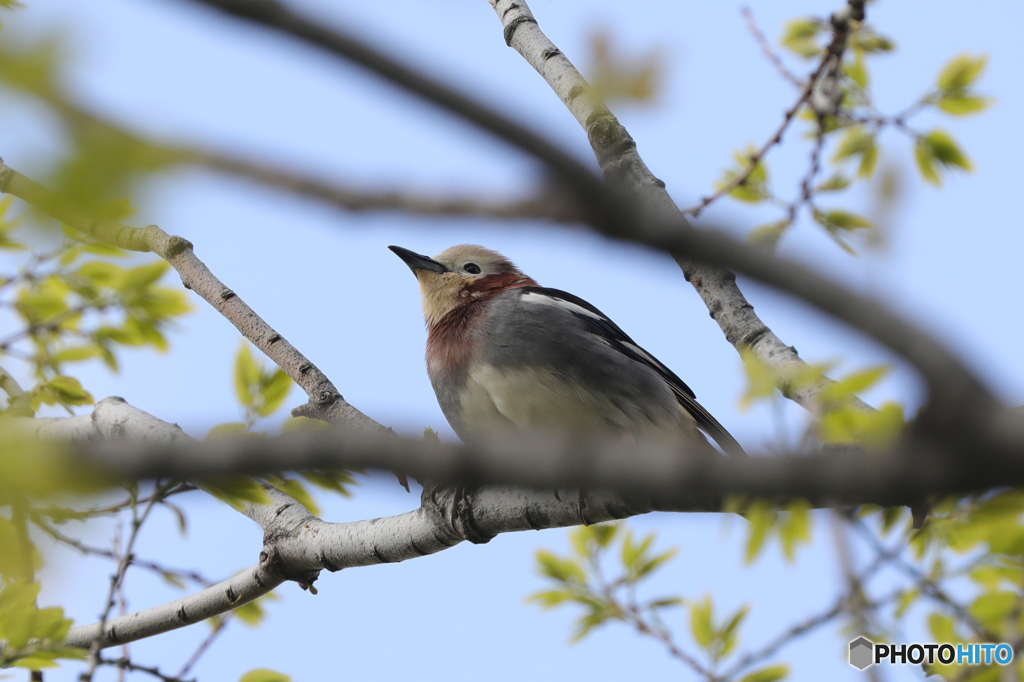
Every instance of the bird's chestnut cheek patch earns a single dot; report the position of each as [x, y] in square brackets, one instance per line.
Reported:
[493, 283]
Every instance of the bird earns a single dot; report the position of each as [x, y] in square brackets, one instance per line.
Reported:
[506, 354]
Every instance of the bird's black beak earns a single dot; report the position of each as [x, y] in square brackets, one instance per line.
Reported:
[417, 262]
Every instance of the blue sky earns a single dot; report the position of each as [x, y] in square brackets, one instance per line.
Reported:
[326, 281]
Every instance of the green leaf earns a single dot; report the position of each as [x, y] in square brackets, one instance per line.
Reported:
[728, 633]
[941, 627]
[834, 184]
[598, 616]
[848, 424]
[252, 613]
[104, 249]
[141, 277]
[700, 622]
[961, 71]
[842, 390]
[334, 481]
[548, 599]
[162, 303]
[297, 490]
[992, 608]
[844, 220]
[857, 71]
[890, 517]
[562, 570]
[264, 675]
[760, 379]
[22, 622]
[755, 186]
[762, 519]
[866, 40]
[76, 354]
[937, 148]
[61, 389]
[768, 234]
[926, 161]
[768, 674]
[226, 430]
[273, 391]
[632, 553]
[906, 600]
[247, 375]
[172, 580]
[795, 527]
[800, 37]
[992, 576]
[946, 150]
[961, 104]
[650, 565]
[102, 273]
[236, 490]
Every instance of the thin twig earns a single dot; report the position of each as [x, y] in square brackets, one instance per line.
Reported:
[84, 548]
[126, 664]
[806, 184]
[767, 49]
[926, 584]
[756, 158]
[118, 576]
[205, 644]
[802, 628]
[856, 603]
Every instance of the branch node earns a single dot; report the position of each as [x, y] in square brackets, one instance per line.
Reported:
[510, 29]
[175, 246]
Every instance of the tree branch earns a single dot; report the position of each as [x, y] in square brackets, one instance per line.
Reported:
[956, 395]
[905, 474]
[248, 585]
[549, 203]
[623, 167]
[326, 401]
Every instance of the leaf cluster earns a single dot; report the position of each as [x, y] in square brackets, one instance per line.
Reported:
[30, 637]
[261, 391]
[845, 142]
[579, 578]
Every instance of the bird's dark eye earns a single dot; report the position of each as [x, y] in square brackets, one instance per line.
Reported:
[471, 268]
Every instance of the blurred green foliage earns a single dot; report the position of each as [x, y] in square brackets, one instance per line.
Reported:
[851, 134]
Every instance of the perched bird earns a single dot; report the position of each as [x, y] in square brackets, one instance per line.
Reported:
[505, 353]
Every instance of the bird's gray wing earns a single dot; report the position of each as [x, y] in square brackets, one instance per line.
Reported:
[598, 324]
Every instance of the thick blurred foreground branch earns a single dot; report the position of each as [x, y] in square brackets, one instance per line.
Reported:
[620, 482]
[910, 471]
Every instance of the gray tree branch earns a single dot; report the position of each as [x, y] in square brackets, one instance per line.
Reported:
[297, 545]
[910, 471]
[620, 483]
[324, 399]
[548, 203]
[642, 212]
[623, 167]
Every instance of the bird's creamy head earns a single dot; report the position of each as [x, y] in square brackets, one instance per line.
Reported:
[459, 275]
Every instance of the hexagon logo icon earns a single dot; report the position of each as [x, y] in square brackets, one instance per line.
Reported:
[862, 653]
